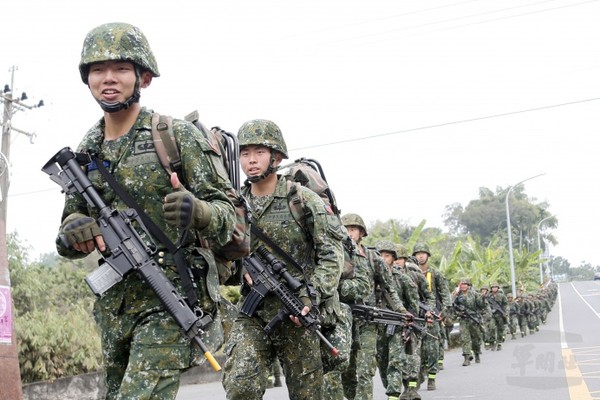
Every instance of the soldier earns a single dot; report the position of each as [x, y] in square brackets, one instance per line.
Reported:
[486, 318]
[430, 347]
[513, 315]
[358, 378]
[412, 365]
[354, 286]
[499, 305]
[313, 242]
[143, 349]
[524, 310]
[391, 354]
[468, 306]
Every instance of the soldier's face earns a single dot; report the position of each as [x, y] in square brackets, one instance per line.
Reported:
[354, 232]
[422, 257]
[254, 160]
[387, 257]
[112, 81]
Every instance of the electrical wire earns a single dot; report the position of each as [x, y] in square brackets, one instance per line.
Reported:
[462, 121]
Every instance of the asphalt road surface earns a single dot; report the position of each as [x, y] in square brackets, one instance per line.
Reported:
[560, 362]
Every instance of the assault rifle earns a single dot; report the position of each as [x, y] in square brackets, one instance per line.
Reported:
[266, 272]
[128, 251]
[389, 318]
[463, 312]
[427, 308]
[496, 307]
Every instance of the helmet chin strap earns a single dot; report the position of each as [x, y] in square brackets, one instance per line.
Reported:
[270, 169]
[134, 98]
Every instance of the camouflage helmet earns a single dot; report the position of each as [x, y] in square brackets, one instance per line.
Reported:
[388, 247]
[495, 284]
[485, 287]
[262, 132]
[510, 296]
[401, 251]
[465, 280]
[354, 219]
[421, 248]
[116, 41]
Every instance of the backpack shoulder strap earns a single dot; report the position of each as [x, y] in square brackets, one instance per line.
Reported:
[296, 202]
[165, 144]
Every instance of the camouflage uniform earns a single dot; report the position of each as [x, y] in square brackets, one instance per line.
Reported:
[430, 347]
[513, 315]
[412, 365]
[143, 348]
[391, 355]
[524, 310]
[317, 246]
[358, 378]
[470, 330]
[499, 306]
[354, 286]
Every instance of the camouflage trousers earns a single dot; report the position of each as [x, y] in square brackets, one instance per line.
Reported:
[333, 367]
[390, 358]
[470, 336]
[498, 328]
[250, 352]
[430, 350]
[143, 353]
[513, 322]
[523, 324]
[412, 358]
[358, 378]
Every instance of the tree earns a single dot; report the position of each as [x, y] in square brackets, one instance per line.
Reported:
[485, 217]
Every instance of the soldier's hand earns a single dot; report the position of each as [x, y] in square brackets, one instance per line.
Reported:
[82, 233]
[183, 210]
[296, 320]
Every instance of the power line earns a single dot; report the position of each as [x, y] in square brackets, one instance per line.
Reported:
[462, 121]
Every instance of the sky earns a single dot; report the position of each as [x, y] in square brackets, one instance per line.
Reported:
[409, 106]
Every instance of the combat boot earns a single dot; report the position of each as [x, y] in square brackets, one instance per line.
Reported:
[431, 382]
[467, 361]
[411, 393]
[498, 347]
[477, 359]
[277, 381]
[513, 336]
[440, 364]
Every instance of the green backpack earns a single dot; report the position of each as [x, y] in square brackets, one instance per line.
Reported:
[226, 146]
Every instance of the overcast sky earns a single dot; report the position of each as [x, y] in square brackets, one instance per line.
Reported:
[442, 97]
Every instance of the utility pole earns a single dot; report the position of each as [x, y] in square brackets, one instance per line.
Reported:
[10, 376]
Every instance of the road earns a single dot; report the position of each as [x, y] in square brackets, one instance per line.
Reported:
[560, 362]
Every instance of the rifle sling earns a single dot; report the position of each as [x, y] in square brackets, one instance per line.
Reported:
[182, 267]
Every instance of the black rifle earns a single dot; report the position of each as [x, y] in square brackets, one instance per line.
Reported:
[463, 312]
[427, 308]
[266, 272]
[128, 251]
[389, 318]
[496, 307]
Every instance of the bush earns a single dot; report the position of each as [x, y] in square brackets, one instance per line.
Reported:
[56, 334]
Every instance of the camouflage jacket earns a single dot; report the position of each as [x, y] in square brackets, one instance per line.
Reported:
[439, 287]
[133, 162]
[407, 290]
[317, 246]
[384, 285]
[355, 284]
